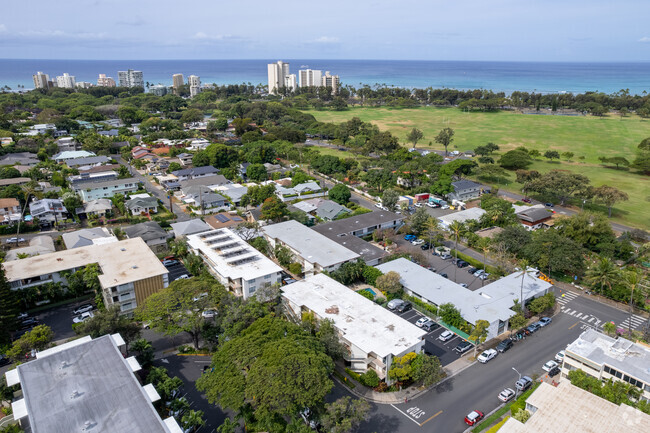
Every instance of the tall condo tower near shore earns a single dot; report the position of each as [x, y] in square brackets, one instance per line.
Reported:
[130, 78]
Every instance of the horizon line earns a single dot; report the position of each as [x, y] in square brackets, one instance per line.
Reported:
[323, 59]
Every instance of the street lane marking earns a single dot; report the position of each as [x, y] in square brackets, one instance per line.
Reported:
[406, 415]
[573, 326]
[590, 320]
[430, 418]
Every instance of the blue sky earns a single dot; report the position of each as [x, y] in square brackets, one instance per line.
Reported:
[525, 30]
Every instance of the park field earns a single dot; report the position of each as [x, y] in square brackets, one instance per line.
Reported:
[587, 137]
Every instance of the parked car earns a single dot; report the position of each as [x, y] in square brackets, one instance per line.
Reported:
[378, 205]
[14, 240]
[286, 281]
[418, 242]
[463, 285]
[425, 246]
[431, 205]
[418, 204]
[29, 323]
[421, 321]
[430, 326]
[445, 256]
[548, 204]
[504, 345]
[532, 328]
[554, 371]
[549, 365]
[484, 276]
[526, 200]
[473, 417]
[478, 272]
[169, 262]
[544, 321]
[83, 308]
[524, 383]
[559, 357]
[394, 304]
[22, 316]
[182, 277]
[463, 346]
[409, 238]
[445, 336]
[405, 306]
[506, 395]
[82, 317]
[200, 296]
[442, 274]
[209, 314]
[487, 355]
[471, 269]
[462, 263]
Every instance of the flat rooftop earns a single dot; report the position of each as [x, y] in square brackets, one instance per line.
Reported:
[567, 408]
[311, 245]
[360, 321]
[491, 302]
[84, 385]
[624, 355]
[231, 255]
[120, 262]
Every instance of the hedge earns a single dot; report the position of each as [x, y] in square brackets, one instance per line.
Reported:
[495, 428]
[424, 307]
[473, 262]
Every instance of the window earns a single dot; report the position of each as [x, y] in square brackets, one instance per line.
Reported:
[251, 289]
[267, 277]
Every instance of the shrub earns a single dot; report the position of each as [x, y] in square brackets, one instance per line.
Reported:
[369, 378]
[295, 268]
[366, 294]
[370, 275]
[353, 375]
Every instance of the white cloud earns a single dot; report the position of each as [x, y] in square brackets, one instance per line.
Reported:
[645, 39]
[60, 34]
[3, 28]
[326, 40]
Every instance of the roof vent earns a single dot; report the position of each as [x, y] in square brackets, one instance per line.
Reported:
[122, 249]
[89, 425]
[64, 364]
[134, 267]
[76, 394]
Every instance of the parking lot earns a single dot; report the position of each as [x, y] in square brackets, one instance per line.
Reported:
[176, 270]
[443, 350]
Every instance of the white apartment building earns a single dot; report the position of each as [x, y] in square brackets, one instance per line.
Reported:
[104, 81]
[277, 73]
[195, 85]
[130, 78]
[604, 357]
[313, 251]
[65, 81]
[177, 82]
[332, 81]
[310, 78]
[41, 80]
[372, 335]
[290, 82]
[237, 265]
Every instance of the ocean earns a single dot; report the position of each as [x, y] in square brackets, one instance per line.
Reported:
[540, 77]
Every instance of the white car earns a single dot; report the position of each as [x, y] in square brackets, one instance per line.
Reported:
[430, 204]
[506, 395]
[418, 205]
[83, 317]
[421, 321]
[559, 357]
[182, 277]
[378, 205]
[84, 308]
[445, 336]
[484, 276]
[394, 304]
[487, 355]
[445, 206]
[550, 365]
[418, 242]
[479, 272]
[209, 314]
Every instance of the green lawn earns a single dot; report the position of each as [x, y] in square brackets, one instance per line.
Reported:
[587, 137]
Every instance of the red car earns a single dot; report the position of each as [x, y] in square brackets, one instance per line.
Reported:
[526, 200]
[473, 417]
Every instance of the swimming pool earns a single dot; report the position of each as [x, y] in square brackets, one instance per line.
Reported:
[369, 290]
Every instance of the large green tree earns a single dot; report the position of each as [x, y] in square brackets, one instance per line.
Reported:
[609, 195]
[414, 136]
[445, 137]
[110, 322]
[9, 309]
[389, 199]
[562, 185]
[340, 194]
[345, 414]
[275, 366]
[515, 160]
[274, 209]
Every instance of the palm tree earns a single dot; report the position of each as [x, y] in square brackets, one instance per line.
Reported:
[603, 274]
[632, 278]
[457, 229]
[483, 244]
[27, 190]
[524, 264]
[432, 229]
[193, 419]
[228, 426]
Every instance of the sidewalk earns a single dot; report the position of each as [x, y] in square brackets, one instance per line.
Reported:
[409, 394]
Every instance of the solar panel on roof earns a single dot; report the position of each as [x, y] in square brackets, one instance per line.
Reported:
[237, 219]
[222, 218]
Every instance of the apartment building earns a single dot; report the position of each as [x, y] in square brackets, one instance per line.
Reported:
[277, 73]
[372, 335]
[177, 83]
[310, 77]
[41, 80]
[130, 78]
[238, 266]
[92, 190]
[104, 81]
[129, 271]
[332, 81]
[313, 251]
[194, 82]
[86, 385]
[158, 90]
[65, 81]
[604, 357]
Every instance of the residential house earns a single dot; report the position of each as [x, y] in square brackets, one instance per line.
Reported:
[198, 144]
[65, 156]
[169, 182]
[371, 335]
[371, 254]
[313, 251]
[88, 162]
[233, 191]
[130, 271]
[473, 213]
[19, 158]
[303, 190]
[114, 123]
[97, 176]
[464, 190]
[605, 358]
[38, 245]
[208, 181]
[139, 152]
[224, 219]
[492, 302]
[96, 208]
[364, 224]
[142, 205]
[91, 190]
[565, 407]
[81, 385]
[195, 172]
[534, 218]
[86, 237]
[242, 169]
[204, 199]
[276, 168]
[185, 158]
[183, 229]
[100, 168]
[48, 209]
[15, 181]
[110, 133]
[9, 209]
[330, 210]
[233, 262]
[68, 144]
[153, 235]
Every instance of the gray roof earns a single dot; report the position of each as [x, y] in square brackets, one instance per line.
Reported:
[359, 222]
[22, 158]
[534, 214]
[196, 171]
[464, 184]
[142, 202]
[83, 238]
[149, 230]
[186, 228]
[235, 193]
[87, 382]
[205, 181]
[623, 355]
[204, 193]
[312, 246]
[78, 162]
[329, 209]
[366, 250]
[102, 183]
[101, 204]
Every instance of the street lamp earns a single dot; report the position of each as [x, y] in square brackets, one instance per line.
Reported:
[516, 389]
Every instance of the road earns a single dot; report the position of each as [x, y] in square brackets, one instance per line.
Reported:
[443, 408]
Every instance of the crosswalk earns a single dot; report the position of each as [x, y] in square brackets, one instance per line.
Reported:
[636, 322]
[585, 318]
[566, 297]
